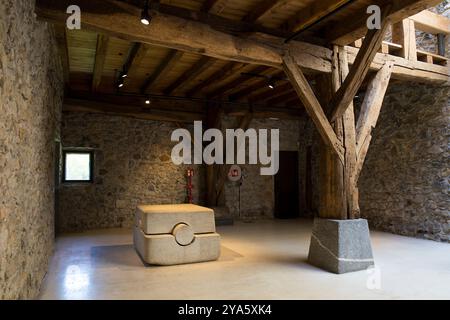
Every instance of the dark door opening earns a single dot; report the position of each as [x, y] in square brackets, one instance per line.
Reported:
[287, 186]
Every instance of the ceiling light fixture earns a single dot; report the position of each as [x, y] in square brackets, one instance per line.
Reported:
[120, 82]
[147, 100]
[271, 84]
[145, 15]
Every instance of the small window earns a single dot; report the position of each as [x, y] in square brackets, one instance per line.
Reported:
[77, 166]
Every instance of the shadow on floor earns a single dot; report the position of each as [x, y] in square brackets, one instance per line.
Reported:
[126, 255]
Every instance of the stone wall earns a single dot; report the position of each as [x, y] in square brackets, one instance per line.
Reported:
[30, 101]
[257, 191]
[404, 184]
[132, 166]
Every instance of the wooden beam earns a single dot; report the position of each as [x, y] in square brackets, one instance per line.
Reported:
[137, 54]
[371, 44]
[256, 86]
[312, 13]
[371, 106]
[165, 66]
[100, 55]
[263, 9]
[404, 33]
[224, 89]
[229, 69]
[118, 19]
[431, 22]
[272, 93]
[312, 105]
[282, 98]
[356, 27]
[200, 66]
[61, 40]
[406, 70]
[349, 139]
[208, 5]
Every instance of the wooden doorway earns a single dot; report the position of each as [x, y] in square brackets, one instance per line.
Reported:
[287, 186]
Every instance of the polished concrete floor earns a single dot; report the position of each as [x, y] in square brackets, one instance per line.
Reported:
[259, 260]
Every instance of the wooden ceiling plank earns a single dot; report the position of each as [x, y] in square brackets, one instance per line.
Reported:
[272, 93]
[313, 13]
[100, 56]
[219, 75]
[165, 66]
[263, 9]
[136, 56]
[258, 85]
[200, 66]
[224, 89]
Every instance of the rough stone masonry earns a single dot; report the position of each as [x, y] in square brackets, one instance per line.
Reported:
[30, 102]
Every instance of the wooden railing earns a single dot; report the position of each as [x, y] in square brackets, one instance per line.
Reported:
[404, 42]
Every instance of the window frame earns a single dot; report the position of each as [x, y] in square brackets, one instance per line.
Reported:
[91, 166]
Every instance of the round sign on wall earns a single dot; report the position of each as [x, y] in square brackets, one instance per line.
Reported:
[235, 173]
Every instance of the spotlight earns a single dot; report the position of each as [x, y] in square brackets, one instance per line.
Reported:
[123, 75]
[271, 84]
[120, 82]
[147, 100]
[145, 16]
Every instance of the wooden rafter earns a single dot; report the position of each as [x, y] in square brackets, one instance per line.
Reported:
[227, 87]
[370, 46]
[108, 16]
[312, 105]
[137, 54]
[271, 93]
[256, 86]
[100, 55]
[229, 69]
[196, 69]
[165, 66]
[282, 98]
[312, 13]
[61, 40]
[263, 9]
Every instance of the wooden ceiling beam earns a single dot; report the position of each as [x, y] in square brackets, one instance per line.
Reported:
[223, 90]
[165, 66]
[313, 13]
[99, 63]
[200, 66]
[256, 86]
[61, 40]
[272, 93]
[229, 69]
[263, 9]
[282, 98]
[137, 54]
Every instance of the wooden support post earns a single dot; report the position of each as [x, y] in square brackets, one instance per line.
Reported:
[404, 33]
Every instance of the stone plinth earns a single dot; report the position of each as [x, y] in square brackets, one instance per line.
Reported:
[340, 246]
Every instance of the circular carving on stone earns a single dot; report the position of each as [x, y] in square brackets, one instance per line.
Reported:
[183, 233]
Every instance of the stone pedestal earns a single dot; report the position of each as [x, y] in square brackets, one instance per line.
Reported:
[340, 246]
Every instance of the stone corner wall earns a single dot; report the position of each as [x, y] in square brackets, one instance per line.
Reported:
[404, 185]
[31, 89]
